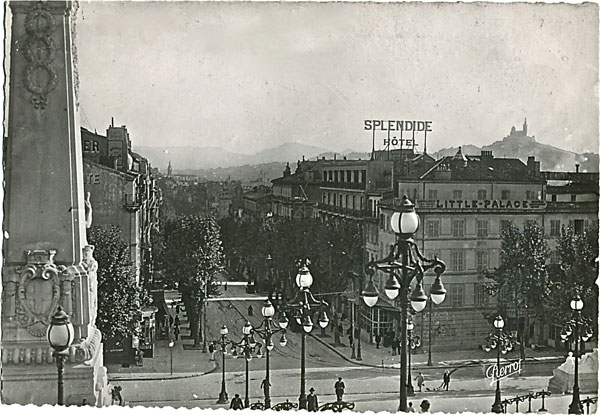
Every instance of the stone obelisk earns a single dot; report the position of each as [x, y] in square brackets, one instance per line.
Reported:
[47, 262]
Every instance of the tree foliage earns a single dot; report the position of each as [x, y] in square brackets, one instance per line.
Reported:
[119, 297]
[192, 257]
[522, 277]
[576, 272]
[334, 248]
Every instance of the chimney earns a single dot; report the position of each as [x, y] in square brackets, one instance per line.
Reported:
[112, 121]
[577, 168]
[344, 157]
[531, 162]
[334, 156]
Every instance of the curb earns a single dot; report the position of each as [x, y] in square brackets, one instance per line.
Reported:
[159, 376]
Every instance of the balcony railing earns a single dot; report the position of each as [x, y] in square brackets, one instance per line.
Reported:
[131, 202]
[343, 211]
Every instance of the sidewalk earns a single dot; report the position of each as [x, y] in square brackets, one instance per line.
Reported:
[185, 363]
[382, 357]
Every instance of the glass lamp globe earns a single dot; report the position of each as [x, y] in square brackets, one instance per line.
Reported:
[418, 299]
[234, 353]
[487, 348]
[283, 340]
[304, 278]
[406, 220]
[268, 310]
[323, 320]
[576, 304]
[224, 330]
[251, 341]
[247, 329]
[307, 324]
[60, 331]
[499, 322]
[410, 325]
[586, 336]
[437, 292]
[392, 287]
[370, 294]
[270, 344]
[283, 321]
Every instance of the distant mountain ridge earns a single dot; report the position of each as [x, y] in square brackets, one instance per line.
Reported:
[516, 145]
[197, 158]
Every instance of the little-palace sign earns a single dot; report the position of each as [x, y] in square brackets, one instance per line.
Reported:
[481, 204]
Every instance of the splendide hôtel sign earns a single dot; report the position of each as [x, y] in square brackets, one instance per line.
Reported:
[481, 204]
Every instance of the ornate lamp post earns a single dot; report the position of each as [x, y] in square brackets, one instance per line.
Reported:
[413, 343]
[302, 308]
[247, 345]
[437, 299]
[60, 336]
[223, 398]
[266, 333]
[503, 343]
[578, 334]
[405, 257]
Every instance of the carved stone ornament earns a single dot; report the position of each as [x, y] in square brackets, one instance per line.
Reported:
[38, 292]
[39, 49]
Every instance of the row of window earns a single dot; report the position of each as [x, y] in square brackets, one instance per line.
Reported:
[458, 227]
[482, 194]
[345, 176]
[346, 201]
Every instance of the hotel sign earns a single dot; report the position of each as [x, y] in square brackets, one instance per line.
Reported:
[398, 128]
[481, 204]
[494, 374]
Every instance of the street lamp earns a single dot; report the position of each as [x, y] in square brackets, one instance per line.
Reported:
[301, 307]
[406, 257]
[247, 346]
[413, 343]
[266, 333]
[503, 343]
[171, 346]
[223, 398]
[573, 330]
[60, 336]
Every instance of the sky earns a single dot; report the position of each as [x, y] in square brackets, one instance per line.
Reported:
[249, 76]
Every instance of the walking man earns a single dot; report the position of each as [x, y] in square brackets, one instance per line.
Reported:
[394, 345]
[313, 401]
[211, 349]
[339, 389]
[176, 332]
[446, 380]
[378, 340]
[420, 380]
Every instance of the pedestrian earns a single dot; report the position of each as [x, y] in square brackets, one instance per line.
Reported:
[378, 340]
[410, 407]
[225, 285]
[177, 308]
[420, 381]
[236, 402]
[177, 321]
[313, 401]
[425, 405]
[116, 395]
[212, 350]
[350, 339]
[446, 380]
[265, 385]
[176, 332]
[250, 311]
[339, 389]
[140, 358]
[170, 320]
[394, 345]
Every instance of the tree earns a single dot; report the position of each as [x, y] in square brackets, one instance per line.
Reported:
[522, 278]
[192, 258]
[119, 297]
[576, 272]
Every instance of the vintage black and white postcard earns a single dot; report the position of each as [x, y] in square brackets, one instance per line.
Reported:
[322, 206]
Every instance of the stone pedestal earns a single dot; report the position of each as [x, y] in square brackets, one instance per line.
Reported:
[47, 260]
[563, 376]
